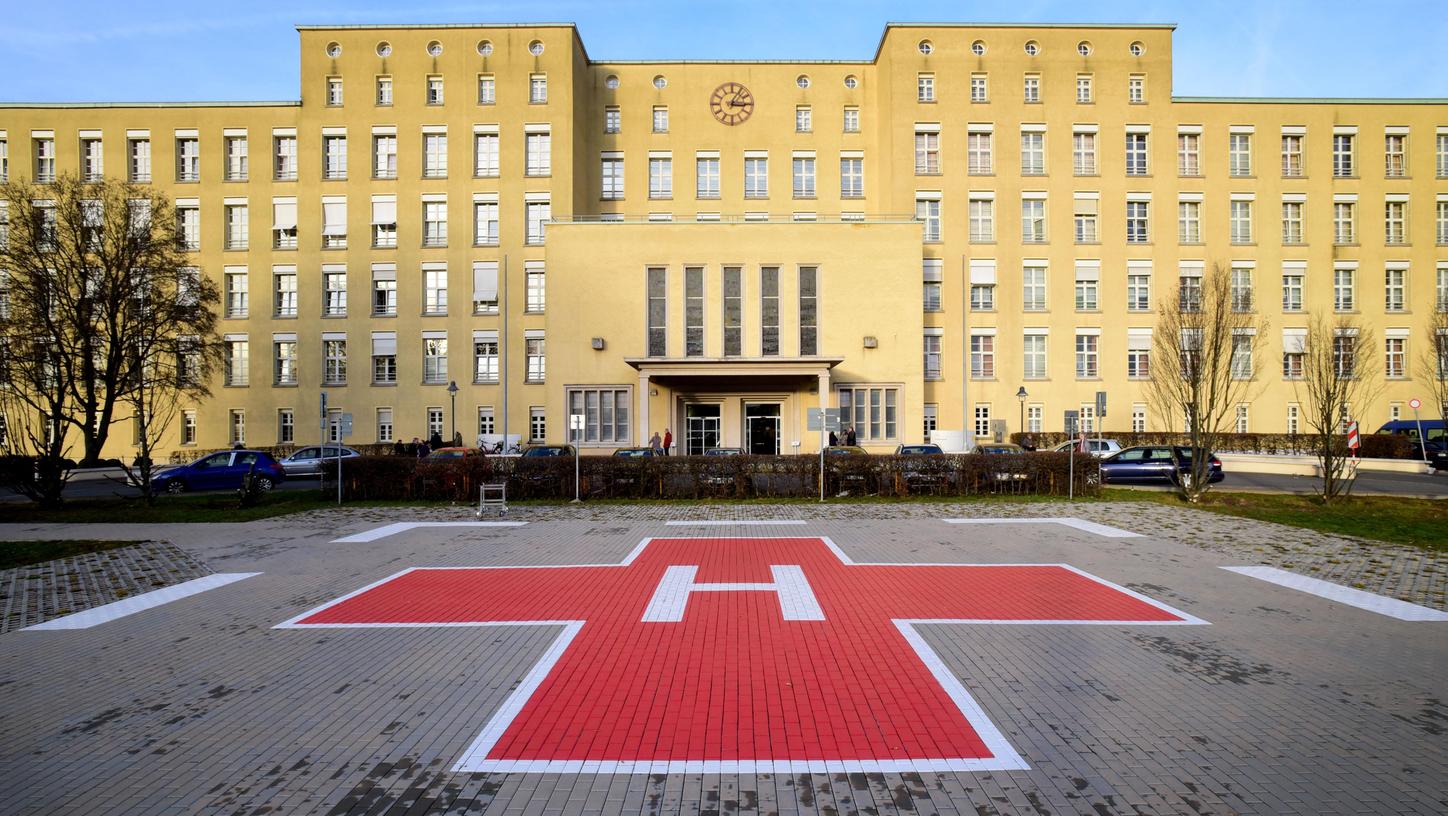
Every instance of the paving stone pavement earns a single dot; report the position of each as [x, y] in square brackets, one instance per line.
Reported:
[1285, 703]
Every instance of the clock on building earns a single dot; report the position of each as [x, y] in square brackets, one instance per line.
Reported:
[731, 103]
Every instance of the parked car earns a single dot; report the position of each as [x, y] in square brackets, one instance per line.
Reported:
[918, 450]
[1153, 464]
[226, 469]
[1435, 438]
[547, 450]
[999, 448]
[724, 452]
[453, 453]
[1096, 447]
[308, 461]
[846, 450]
[636, 453]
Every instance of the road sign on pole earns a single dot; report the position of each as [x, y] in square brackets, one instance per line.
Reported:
[575, 425]
[323, 422]
[1353, 440]
[1072, 420]
[1415, 404]
[344, 428]
[1100, 405]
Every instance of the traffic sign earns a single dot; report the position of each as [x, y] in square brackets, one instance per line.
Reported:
[323, 422]
[575, 422]
[1353, 440]
[1100, 405]
[1072, 420]
[826, 420]
[344, 426]
[1415, 403]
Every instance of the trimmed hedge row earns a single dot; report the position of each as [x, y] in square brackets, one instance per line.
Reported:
[1374, 446]
[712, 477]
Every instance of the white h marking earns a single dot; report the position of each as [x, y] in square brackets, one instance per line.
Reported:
[796, 600]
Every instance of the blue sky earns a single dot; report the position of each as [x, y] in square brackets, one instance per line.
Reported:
[143, 50]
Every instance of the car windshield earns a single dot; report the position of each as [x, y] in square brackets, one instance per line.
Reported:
[920, 449]
[448, 455]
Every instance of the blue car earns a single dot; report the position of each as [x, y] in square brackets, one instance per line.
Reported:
[1154, 464]
[224, 470]
[1434, 441]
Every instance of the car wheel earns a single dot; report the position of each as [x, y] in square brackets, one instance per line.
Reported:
[263, 483]
[175, 487]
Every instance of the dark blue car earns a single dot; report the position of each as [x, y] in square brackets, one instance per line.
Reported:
[1153, 464]
[223, 470]
[1434, 440]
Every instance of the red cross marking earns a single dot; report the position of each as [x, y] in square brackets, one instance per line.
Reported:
[719, 655]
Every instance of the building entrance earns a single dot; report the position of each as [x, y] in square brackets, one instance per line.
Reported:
[701, 429]
[761, 429]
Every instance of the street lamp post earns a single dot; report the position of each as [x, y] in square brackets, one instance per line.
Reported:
[452, 392]
[1021, 396]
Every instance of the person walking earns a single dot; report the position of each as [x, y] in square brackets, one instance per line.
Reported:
[656, 445]
[668, 440]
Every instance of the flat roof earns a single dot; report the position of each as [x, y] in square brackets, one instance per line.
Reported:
[1311, 100]
[291, 103]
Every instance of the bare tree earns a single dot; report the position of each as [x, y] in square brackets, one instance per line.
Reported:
[98, 272]
[1339, 375]
[1205, 351]
[34, 400]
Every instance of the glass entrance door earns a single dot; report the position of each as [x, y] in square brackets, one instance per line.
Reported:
[701, 429]
[761, 429]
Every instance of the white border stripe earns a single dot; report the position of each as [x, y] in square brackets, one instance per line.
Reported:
[743, 522]
[1079, 524]
[1391, 607]
[403, 526]
[140, 603]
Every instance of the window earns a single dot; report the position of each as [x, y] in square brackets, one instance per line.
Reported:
[982, 219]
[384, 90]
[384, 221]
[1189, 290]
[769, 311]
[538, 89]
[657, 311]
[852, 177]
[804, 177]
[982, 356]
[1138, 291]
[1086, 356]
[236, 285]
[1395, 219]
[188, 226]
[851, 120]
[1291, 155]
[1137, 222]
[487, 89]
[808, 310]
[188, 159]
[1442, 298]
[982, 297]
[1395, 287]
[1293, 415]
[1342, 154]
[1138, 354]
[284, 285]
[485, 287]
[1033, 288]
[1033, 350]
[285, 368]
[286, 158]
[1239, 154]
[334, 293]
[1442, 221]
[932, 354]
[1189, 222]
[1294, 353]
[533, 352]
[1083, 153]
[334, 92]
[706, 177]
[92, 159]
[1189, 154]
[1136, 155]
[661, 177]
[1241, 424]
[1343, 299]
[978, 88]
[1344, 356]
[1035, 418]
[539, 154]
[1240, 216]
[1292, 222]
[1241, 289]
[1085, 219]
[485, 359]
[238, 352]
[925, 87]
[139, 151]
[1442, 161]
[284, 223]
[1292, 290]
[334, 157]
[1033, 153]
[535, 289]
[434, 359]
[927, 211]
[978, 157]
[1241, 360]
[434, 223]
[434, 421]
[982, 420]
[870, 411]
[384, 425]
[1136, 89]
[1083, 89]
[661, 119]
[188, 428]
[612, 120]
[485, 155]
[538, 213]
[236, 226]
[434, 90]
[485, 223]
[1395, 364]
[1344, 217]
[932, 272]
[1395, 155]
[384, 156]
[733, 312]
[927, 153]
[1033, 220]
[384, 290]
[238, 427]
[605, 413]
[537, 424]
[4, 177]
[384, 358]
[236, 158]
[1031, 92]
[931, 416]
[434, 290]
[1087, 282]
[434, 155]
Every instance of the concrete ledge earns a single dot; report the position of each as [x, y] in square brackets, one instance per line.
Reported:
[1298, 465]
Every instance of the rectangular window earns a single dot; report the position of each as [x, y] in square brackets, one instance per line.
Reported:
[1240, 219]
[188, 227]
[384, 425]
[236, 158]
[188, 159]
[485, 360]
[1086, 362]
[1087, 284]
[538, 89]
[851, 120]
[1083, 153]
[931, 417]
[756, 177]
[538, 214]
[238, 352]
[1083, 89]
[1189, 222]
[852, 177]
[434, 95]
[1138, 418]
[284, 223]
[284, 301]
[706, 177]
[238, 427]
[1138, 222]
[1342, 154]
[92, 159]
[804, 177]
[1138, 355]
[434, 155]
[1291, 155]
[1033, 350]
[188, 428]
[384, 358]
[334, 294]
[1136, 154]
[1292, 222]
[605, 413]
[1033, 220]
[485, 287]
[1033, 153]
[657, 311]
[1344, 222]
[434, 291]
[1442, 154]
[769, 311]
[661, 178]
[485, 160]
[927, 153]
[1084, 220]
[982, 219]
[1442, 298]
[539, 154]
[612, 120]
[1395, 155]
[334, 92]
[434, 223]
[612, 179]
[803, 120]
[1189, 154]
[1033, 288]
[808, 310]
[334, 157]
[1442, 221]
[1241, 289]
[1344, 358]
[1395, 221]
[925, 87]
[927, 211]
[1138, 291]
[932, 346]
[982, 297]
[933, 274]
[384, 292]
[982, 356]
[236, 294]
[139, 151]
[979, 88]
[1395, 288]
[978, 158]
[1031, 91]
[733, 311]
[487, 89]
[1343, 290]
[485, 223]
[1292, 291]
[982, 420]
[334, 222]
[384, 221]
[236, 226]
[535, 290]
[1239, 154]
[434, 421]
[661, 119]
[1136, 89]
[1241, 424]
[434, 360]
[384, 156]
[1189, 291]
[334, 360]
[384, 91]
[534, 354]
[537, 424]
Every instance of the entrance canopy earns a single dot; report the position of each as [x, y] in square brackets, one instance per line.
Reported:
[666, 367]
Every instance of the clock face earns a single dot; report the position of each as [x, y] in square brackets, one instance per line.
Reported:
[731, 103]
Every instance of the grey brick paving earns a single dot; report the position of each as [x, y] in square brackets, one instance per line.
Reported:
[1287, 703]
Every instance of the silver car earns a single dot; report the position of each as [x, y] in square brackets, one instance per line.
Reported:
[1097, 447]
[308, 461]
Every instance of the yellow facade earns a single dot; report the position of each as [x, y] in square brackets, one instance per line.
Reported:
[987, 123]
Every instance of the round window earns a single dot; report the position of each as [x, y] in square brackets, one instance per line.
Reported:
[611, 82]
[536, 48]
[926, 47]
[660, 82]
[334, 50]
[434, 48]
[485, 48]
[384, 49]
[851, 82]
[1033, 48]
[1137, 49]
[1083, 48]
[978, 48]
[802, 81]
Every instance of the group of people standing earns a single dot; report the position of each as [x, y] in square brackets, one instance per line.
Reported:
[420, 448]
[849, 437]
[661, 446]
